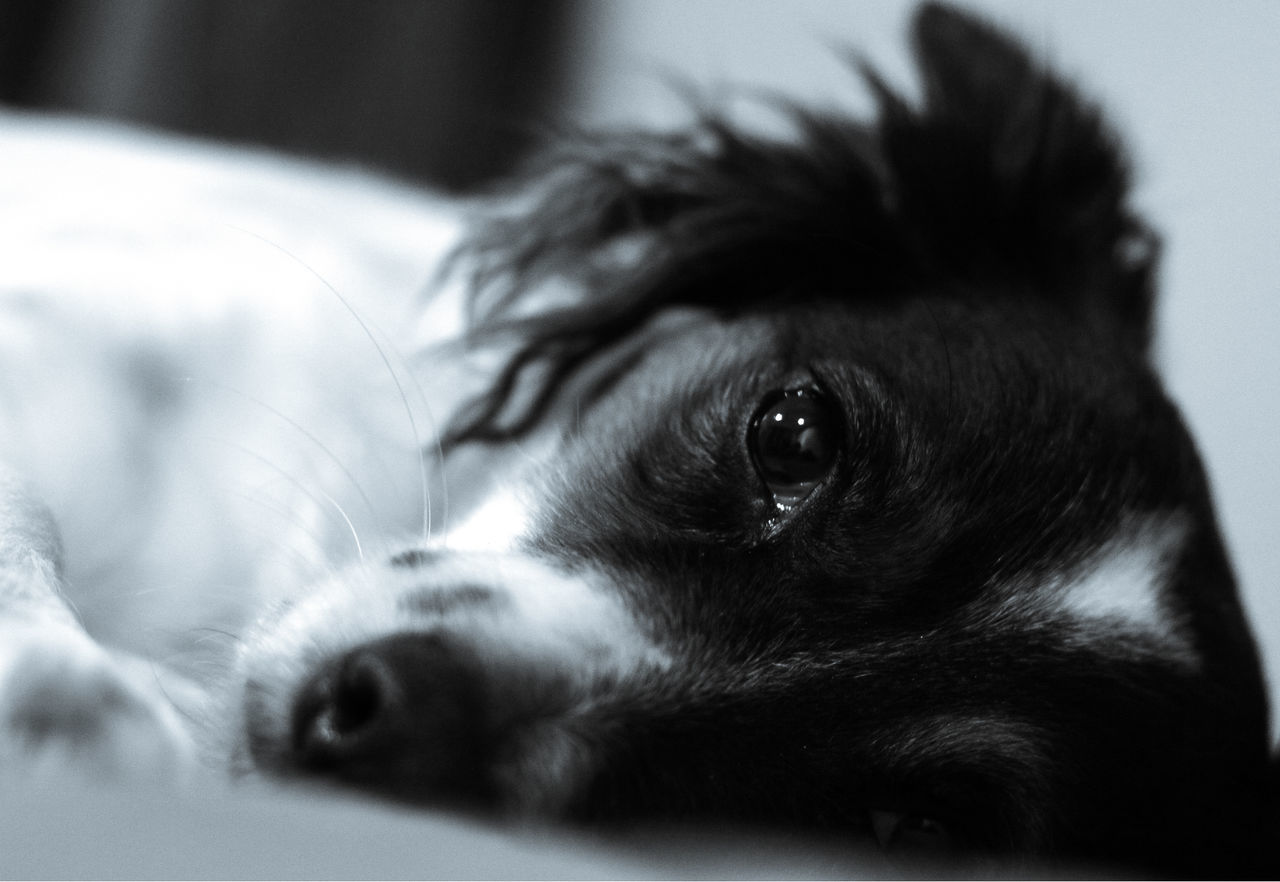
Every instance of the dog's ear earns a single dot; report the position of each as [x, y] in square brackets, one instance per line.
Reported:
[1003, 173]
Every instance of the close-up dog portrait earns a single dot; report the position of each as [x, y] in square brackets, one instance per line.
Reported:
[764, 480]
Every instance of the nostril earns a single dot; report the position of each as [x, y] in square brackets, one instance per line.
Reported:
[359, 694]
[408, 714]
[341, 708]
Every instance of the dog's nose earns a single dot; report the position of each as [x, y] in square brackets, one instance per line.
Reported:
[404, 714]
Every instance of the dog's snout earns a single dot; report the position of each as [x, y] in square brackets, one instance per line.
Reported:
[446, 679]
[404, 714]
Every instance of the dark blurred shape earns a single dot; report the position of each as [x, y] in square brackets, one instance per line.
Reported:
[445, 91]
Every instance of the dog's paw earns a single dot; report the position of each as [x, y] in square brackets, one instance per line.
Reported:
[67, 706]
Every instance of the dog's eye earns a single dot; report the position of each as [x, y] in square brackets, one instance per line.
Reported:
[795, 439]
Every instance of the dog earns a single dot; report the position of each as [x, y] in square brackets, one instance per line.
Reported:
[818, 483]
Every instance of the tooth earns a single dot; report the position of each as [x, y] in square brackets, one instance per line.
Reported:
[885, 825]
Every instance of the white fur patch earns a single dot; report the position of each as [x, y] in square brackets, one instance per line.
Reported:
[1124, 583]
[497, 493]
[495, 525]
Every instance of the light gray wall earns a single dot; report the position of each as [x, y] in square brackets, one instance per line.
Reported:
[1195, 86]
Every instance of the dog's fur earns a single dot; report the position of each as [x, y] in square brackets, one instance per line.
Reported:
[971, 595]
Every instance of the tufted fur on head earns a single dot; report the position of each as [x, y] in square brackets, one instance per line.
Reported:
[1001, 176]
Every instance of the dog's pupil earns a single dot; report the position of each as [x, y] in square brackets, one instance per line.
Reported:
[795, 439]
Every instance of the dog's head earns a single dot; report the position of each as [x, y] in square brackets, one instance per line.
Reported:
[867, 511]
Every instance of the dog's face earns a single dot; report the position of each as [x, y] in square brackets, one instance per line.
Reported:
[890, 529]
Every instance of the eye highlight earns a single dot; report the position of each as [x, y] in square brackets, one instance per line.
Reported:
[794, 442]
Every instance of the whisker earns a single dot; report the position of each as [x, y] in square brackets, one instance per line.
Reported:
[308, 562]
[304, 432]
[355, 536]
[404, 399]
[209, 634]
[174, 705]
[436, 442]
[522, 449]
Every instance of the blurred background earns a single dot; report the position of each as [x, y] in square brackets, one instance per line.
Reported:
[431, 90]
[450, 92]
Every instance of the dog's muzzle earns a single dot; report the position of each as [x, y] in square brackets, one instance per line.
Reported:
[442, 678]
